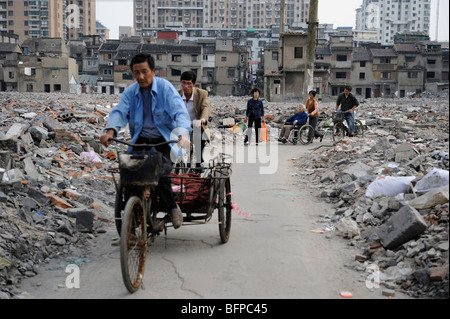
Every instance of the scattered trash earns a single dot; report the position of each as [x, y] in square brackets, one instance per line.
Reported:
[389, 186]
[346, 294]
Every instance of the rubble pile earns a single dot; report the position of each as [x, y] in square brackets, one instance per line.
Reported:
[390, 194]
[55, 191]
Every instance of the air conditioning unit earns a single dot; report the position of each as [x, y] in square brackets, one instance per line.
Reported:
[235, 80]
[100, 79]
[110, 63]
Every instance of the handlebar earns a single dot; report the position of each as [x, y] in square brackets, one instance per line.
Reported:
[142, 145]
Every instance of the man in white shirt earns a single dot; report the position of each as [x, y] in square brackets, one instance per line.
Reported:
[197, 105]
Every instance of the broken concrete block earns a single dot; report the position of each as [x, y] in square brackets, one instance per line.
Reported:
[434, 197]
[358, 170]
[30, 169]
[85, 221]
[16, 130]
[404, 152]
[13, 176]
[328, 177]
[38, 133]
[404, 225]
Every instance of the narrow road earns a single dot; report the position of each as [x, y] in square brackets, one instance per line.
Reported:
[272, 253]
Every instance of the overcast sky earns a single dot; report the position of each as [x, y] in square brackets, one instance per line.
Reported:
[115, 13]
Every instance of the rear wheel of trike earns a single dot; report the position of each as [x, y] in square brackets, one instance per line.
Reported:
[224, 209]
[133, 243]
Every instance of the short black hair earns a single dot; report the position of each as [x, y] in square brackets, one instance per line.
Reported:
[348, 87]
[255, 90]
[189, 76]
[313, 93]
[141, 58]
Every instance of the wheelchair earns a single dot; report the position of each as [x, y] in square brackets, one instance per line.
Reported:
[300, 133]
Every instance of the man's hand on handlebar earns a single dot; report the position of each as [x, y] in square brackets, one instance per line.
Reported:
[185, 142]
[104, 139]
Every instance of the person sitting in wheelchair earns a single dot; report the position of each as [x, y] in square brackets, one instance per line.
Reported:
[294, 122]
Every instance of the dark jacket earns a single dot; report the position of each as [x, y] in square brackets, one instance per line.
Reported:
[255, 106]
[301, 118]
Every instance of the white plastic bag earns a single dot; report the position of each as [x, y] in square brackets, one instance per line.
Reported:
[389, 186]
[91, 157]
[434, 179]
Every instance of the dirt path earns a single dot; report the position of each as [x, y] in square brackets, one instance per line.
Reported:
[272, 254]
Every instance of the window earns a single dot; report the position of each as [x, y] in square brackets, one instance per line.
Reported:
[341, 75]
[362, 64]
[175, 72]
[275, 56]
[385, 60]
[194, 58]
[176, 58]
[431, 61]
[341, 58]
[127, 76]
[385, 75]
[431, 75]
[413, 75]
[231, 73]
[298, 53]
[362, 76]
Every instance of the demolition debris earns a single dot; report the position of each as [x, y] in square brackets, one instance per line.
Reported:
[389, 189]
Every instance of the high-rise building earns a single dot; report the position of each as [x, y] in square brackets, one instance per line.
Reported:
[233, 14]
[65, 19]
[389, 17]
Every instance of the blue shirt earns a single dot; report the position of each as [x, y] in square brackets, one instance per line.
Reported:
[149, 129]
[169, 112]
[301, 118]
[255, 106]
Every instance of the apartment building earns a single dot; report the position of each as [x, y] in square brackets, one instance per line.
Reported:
[3, 16]
[389, 17]
[260, 14]
[410, 67]
[65, 19]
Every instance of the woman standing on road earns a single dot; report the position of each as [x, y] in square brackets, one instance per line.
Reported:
[313, 112]
[254, 114]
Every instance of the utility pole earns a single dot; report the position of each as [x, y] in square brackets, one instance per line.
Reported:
[283, 8]
[311, 49]
[437, 21]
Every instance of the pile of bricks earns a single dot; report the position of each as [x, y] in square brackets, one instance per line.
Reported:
[53, 201]
[401, 230]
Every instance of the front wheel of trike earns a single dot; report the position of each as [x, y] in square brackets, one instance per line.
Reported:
[224, 209]
[133, 243]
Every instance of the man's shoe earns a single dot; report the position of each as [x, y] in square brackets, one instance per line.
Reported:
[177, 217]
[321, 138]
